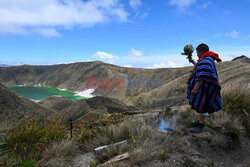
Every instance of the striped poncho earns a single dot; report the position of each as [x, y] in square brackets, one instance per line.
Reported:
[208, 97]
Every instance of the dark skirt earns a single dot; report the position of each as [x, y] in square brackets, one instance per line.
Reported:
[208, 97]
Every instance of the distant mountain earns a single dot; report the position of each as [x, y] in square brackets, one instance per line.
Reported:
[243, 59]
[4, 65]
[171, 82]
[15, 109]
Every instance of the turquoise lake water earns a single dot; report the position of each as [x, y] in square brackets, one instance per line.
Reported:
[39, 93]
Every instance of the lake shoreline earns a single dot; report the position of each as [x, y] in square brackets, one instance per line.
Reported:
[37, 93]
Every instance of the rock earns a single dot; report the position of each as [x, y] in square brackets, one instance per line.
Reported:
[84, 160]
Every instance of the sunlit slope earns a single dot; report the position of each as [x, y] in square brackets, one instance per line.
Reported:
[74, 77]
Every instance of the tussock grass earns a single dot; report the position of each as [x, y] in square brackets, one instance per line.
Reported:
[60, 149]
[235, 100]
[234, 117]
[226, 121]
[144, 142]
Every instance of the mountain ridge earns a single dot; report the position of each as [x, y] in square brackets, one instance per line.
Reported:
[74, 76]
[242, 58]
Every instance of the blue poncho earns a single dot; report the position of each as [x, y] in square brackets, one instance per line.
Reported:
[208, 97]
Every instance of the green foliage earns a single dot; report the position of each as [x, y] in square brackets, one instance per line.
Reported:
[54, 132]
[28, 164]
[25, 142]
[28, 141]
[3, 145]
[164, 155]
[95, 164]
[87, 134]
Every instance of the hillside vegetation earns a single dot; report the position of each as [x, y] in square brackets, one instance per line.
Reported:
[15, 109]
[74, 77]
[224, 142]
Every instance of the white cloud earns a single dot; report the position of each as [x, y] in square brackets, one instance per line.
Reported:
[135, 4]
[182, 4]
[70, 62]
[171, 60]
[28, 16]
[168, 64]
[205, 5]
[127, 65]
[47, 32]
[217, 35]
[229, 54]
[135, 52]
[233, 34]
[106, 57]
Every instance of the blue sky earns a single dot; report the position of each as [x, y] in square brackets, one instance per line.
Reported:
[131, 33]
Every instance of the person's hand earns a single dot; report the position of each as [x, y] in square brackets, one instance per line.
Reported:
[194, 91]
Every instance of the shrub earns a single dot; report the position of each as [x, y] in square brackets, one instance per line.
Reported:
[164, 155]
[88, 132]
[28, 164]
[25, 142]
[29, 140]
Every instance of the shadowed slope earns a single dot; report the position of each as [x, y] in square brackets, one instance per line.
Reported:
[15, 109]
[56, 103]
[93, 108]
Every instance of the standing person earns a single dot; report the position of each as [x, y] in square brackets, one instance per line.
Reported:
[203, 87]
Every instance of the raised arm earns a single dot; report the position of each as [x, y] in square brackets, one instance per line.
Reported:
[191, 60]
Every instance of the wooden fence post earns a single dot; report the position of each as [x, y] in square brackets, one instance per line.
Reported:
[71, 128]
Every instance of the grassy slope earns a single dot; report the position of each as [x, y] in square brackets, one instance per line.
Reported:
[73, 77]
[224, 140]
[15, 109]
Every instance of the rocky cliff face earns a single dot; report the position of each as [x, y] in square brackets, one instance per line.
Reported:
[141, 92]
